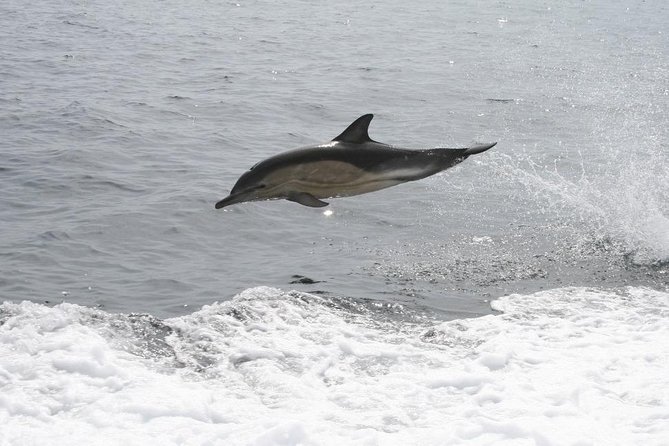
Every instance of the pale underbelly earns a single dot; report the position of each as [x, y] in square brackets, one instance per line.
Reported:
[339, 179]
[320, 190]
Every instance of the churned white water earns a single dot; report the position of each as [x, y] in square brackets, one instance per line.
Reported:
[565, 366]
[519, 298]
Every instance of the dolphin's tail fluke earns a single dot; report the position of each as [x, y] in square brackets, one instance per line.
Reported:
[473, 150]
[451, 157]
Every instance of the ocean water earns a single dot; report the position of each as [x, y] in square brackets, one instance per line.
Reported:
[519, 298]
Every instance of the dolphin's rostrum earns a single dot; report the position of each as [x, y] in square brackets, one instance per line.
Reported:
[350, 164]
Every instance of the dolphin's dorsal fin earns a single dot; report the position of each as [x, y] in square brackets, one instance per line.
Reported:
[358, 131]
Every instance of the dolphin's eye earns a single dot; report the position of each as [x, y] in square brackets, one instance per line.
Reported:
[262, 186]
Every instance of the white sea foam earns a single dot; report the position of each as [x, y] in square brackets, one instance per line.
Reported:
[565, 366]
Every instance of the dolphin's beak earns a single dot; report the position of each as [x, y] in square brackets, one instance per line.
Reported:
[231, 199]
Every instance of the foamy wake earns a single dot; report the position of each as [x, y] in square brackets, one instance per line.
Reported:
[566, 366]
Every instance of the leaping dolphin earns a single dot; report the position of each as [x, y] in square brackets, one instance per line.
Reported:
[350, 164]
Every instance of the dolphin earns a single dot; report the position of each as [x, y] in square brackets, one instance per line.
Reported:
[350, 164]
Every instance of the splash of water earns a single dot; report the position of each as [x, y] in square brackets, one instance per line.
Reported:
[625, 200]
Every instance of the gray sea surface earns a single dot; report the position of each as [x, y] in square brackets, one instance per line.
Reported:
[122, 123]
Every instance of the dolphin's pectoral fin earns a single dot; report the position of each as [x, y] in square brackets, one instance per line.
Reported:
[306, 199]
